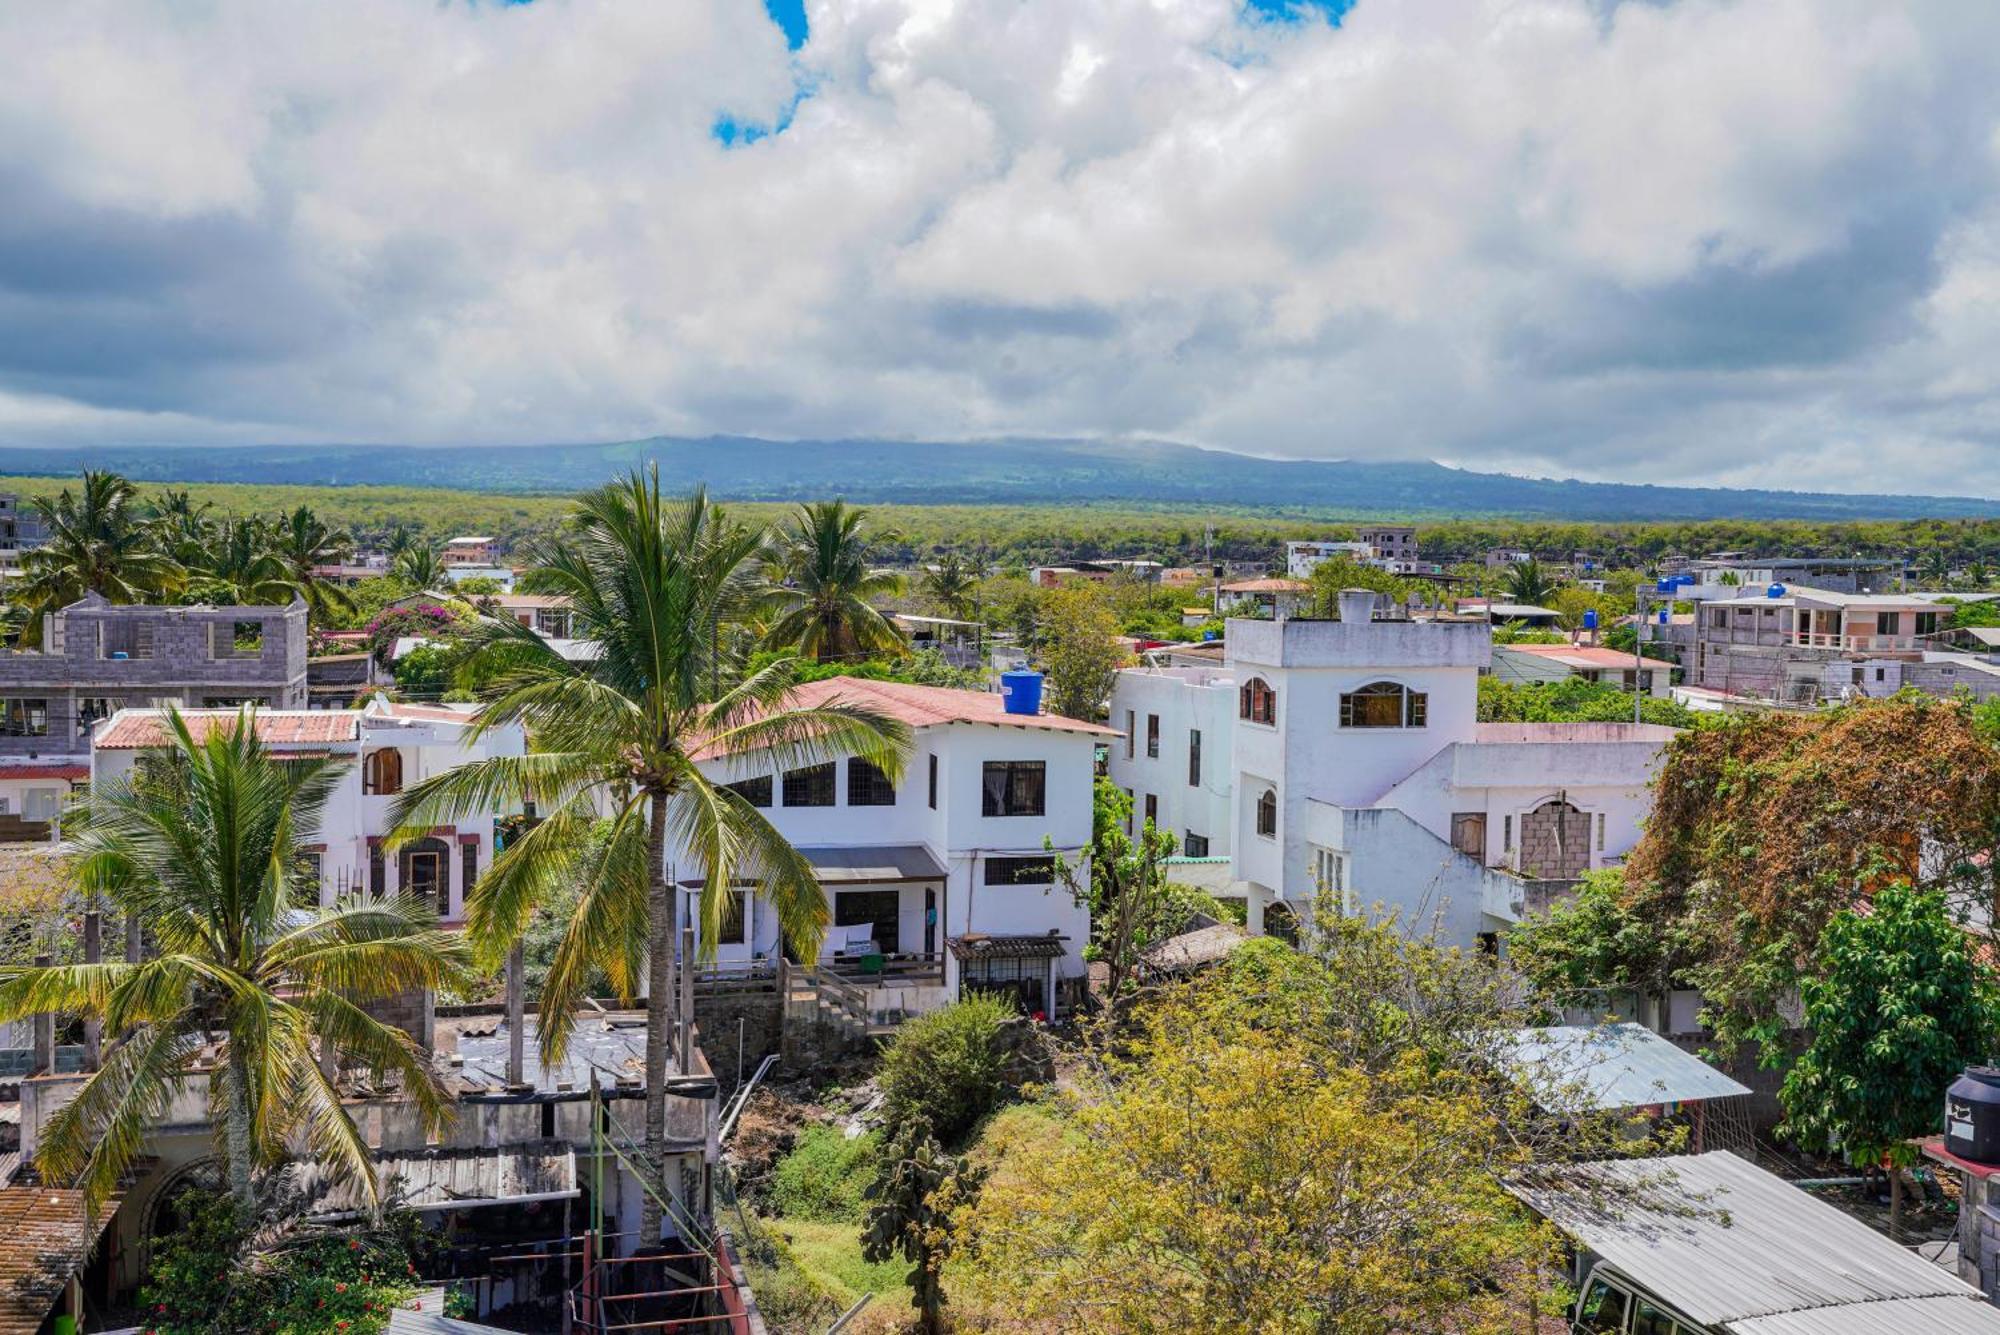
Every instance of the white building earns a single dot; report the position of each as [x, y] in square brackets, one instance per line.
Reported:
[1302, 558]
[943, 881]
[390, 747]
[1348, 754]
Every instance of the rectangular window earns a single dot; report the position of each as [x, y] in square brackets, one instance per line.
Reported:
[1888, 623]
[1600, 832]
[468, 855]
[313, 872]
[810, 787]
[1195, 845]
[757, 791]
[1020, 871]
[868, 786]
[1152, 736]
[1927, 623]
[1719, 619]
[878, 909]
[1194, 757]
[735, 929]
[1152, 809]
[1014, 788]
[1131, 733]
[933, 779]
[24, 718]
[1506, 834]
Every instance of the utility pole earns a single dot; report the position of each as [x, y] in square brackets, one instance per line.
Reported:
[1638, 649]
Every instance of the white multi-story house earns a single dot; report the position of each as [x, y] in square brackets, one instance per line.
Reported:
[1348, 755]
[390, 747]
[944, 881]
[1302, 558]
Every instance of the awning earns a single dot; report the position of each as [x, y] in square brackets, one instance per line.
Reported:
[877, 864]
[452, 1179]
[1008, 947]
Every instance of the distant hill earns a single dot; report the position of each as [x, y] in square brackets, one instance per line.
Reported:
[995, 472]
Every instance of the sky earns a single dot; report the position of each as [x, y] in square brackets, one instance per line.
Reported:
[1736, 242]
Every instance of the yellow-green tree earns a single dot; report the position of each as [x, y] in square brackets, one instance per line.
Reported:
[1078, 637]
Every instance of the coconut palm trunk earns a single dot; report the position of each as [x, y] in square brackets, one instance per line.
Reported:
[621, 749]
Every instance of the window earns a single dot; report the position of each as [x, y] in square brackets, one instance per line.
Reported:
[1130, 798]
[1020, 871]
[1468, 833]
[933, 780]
[1650, 1320]
[1601, 1310]
[1719, 619]
[880, 910]
[1194, 757]
[312, 871]
[1927, 623]
[810, 787]
[1384, 704]
[1600, 832]
[92, 708]
[1152, 809]
[24, 718]
[1888, 623]
[1506, 834]
[247, 637]
[735, 930]
[468, 857]
[1131, 733]
[1257, 702]
[868, 786]
[1267, 813]
[1195, 845]
[1014, 788]
[1330, 879]
[757, 791]
[382, 772]
[1152, 736]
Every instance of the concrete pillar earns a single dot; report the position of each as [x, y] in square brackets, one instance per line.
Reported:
[516, 1018]
[93, 953]
[45, 1031]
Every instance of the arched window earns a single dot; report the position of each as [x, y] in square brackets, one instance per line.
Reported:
[1257, 701]
[382, 772]
[1267, 812]
[1384, 704]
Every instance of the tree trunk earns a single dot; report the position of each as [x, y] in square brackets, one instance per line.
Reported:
[236, 1075]
[660, 997]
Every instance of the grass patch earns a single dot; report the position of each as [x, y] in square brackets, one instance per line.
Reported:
[823, 1178]
[830, 1254]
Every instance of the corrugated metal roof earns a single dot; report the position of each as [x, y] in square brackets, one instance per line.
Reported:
[1614, 1066]
[1727, 1241]
[874, 864]
[444, 1179]
[1899, 1316]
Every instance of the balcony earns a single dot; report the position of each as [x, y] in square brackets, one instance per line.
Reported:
[1853, 644]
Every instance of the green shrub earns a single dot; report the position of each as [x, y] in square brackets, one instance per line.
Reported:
[951, 1067]
[203, 1279]
[824, 1176]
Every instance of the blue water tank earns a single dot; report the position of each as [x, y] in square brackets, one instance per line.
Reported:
[1207, 635]
[117, 654]
[1590, 618]
[1021, 692]
[1683, 581]
[1775, 591]
[1664, 586]
[1663, 616]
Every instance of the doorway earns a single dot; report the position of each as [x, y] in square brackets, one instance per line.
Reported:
[880, 910]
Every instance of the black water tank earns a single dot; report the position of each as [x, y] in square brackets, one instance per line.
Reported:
[1972, 1115]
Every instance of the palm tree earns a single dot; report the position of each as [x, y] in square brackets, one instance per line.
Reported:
[304, 543]
[183, 526]
[97, 543]
[1526, 582]
[243, 564]
[1978, 574]
[419, 566]
[1934, 567]
[661, 587]
[952, 585]
[202, 847]
[820, 586]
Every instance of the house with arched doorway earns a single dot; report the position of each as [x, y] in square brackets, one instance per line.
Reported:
[1342, 761]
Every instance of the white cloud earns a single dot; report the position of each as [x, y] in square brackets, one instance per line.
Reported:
[1696, 241]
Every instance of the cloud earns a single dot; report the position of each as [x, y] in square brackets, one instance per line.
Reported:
[1698, 241]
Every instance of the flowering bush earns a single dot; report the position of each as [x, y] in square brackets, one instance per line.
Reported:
[435, 621]
[205, 1277]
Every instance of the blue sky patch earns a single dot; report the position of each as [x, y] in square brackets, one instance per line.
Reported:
[1282, 11]
[790, 16]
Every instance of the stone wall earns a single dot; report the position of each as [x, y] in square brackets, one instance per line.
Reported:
[716, 1017]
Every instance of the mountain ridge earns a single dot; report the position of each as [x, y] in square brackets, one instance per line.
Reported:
[1016, 472]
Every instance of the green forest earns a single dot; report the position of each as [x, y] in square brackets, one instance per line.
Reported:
[1009, 534]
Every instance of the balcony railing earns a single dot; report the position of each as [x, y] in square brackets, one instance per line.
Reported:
[1852, 643]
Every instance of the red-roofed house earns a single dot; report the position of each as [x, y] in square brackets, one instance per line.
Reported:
[939, 880]
[1532, 663]
[387, 747]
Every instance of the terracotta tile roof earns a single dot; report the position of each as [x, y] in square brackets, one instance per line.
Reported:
[132, 730]
[1268, 586]
[44, 1239]
[927, 706]
[44, 771]
[1581, 655]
